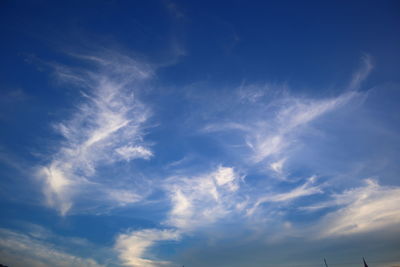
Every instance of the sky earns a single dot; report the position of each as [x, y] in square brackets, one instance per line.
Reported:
[199, 133]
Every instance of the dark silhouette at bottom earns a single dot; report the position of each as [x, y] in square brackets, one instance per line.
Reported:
[365, 264]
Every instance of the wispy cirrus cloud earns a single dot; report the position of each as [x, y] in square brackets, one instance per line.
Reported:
[360, 210]
[278, 166]
[201, 200]
[306, 189]
[271, 118]
[106, 127]
[19, 249]
[273, 138]
[362, 73]
[133, 246]
[270, 126]
[196, 202]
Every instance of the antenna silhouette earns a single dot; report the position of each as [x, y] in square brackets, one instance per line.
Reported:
[365, 264]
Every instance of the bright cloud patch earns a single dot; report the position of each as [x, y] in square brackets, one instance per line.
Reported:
[130, 152]
[267, 140]
[277, 166]
[306, 189]
[362, 209]
[201, 200]
[133, 246]
[105, 127]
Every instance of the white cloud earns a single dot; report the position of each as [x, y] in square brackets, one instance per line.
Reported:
[226, 177]
[271, 119]
[133, 246]
[134, 152]
[272, 139]
[196, 202]
[123, 197]
[306, 189]
[19, 250]
[277, 166]
[364, 209]
[56, 186]
[201, 200]
[225, 127]
[105, 127]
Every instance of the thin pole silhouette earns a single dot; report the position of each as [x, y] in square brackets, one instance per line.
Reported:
[365, 264]
[326, 265]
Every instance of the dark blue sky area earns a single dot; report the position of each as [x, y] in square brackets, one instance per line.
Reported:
[307, 41]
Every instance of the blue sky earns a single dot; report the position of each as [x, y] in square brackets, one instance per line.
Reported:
[199, 133]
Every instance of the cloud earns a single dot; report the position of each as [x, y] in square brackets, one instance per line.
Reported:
[196, 202]
[277, 166]
[269, 128]
[271, 139]
[104, 128]
[225, 127]
[134, 152]
[123, 197]
[270, 119]
[18, 249]
[364, 209]
[306, 189]
[201, 200]
[362, 73]
[133, 246]
[226, 177]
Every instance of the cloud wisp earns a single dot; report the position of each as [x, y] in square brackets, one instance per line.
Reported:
[361, 75]
[196, 202]
[132, 246]
[271, 118]
[307, 189]
[106, 127]
[364, 209]
[272, 139]
[201, 200]
[31, 250]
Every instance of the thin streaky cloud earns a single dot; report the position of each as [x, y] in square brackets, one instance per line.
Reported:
[133, 246]
[27, 250]
[105, 128]
[306, 189]
[196, 202]
[275, 119]
[361, 75]
[364, 209]
[273, 139]
[203, 199]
